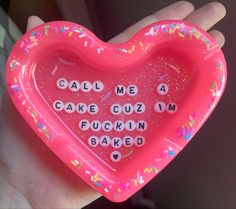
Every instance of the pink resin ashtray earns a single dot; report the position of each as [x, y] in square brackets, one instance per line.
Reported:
[116, 114]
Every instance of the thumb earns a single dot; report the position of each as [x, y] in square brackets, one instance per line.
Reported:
[33, 21]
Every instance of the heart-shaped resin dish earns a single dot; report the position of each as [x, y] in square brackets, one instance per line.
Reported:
[116, 114]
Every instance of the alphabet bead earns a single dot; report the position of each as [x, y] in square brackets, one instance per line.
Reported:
[97, 86]
[74, 86]
[81, 108]
[58, 105]
[127, 109]
[132, 90]
[84, 125]
[159, 107]
[128, 141]
[141, 125]
[86, 86]
[162, 89]
[92, 109]
[62, 83]
[105, 141]
[139, 141]
[93, 141]
[130, 125]
[115, 109]
[107, 126]
[116, 142]
[120, 90]
[171, 108]
[115, 156]
[95, 125]
[119, 125]
[69, 107]
[139, 108]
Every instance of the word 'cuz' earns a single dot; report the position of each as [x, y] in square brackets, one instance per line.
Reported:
[127, 108]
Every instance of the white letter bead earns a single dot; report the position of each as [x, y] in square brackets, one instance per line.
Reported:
[93, 141]
[116, 142]
[98, 86]
[128, 141]
[62, 83]
[115, 156]
[127, 109]
[120, 90]
[130, 125]
[115, 109]
[159, 107]
[69, 107]
[171, 108]
[92, 109]
[107, 126]
[141, 125]
[74, 86]
[139, 141]
[86, 86]
[105, 141]
[162, 89]
[81, 108]
[84, 125]
[58, 105]
[139, 108]
[132, 90]
[95, 125]
[119, 126]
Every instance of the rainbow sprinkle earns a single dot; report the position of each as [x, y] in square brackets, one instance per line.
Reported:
[186, 131]
[13, 64]
[15, 89]
[46, 27]
[76, 163]
[40, 126]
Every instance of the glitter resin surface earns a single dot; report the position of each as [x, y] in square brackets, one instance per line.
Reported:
[116, 114]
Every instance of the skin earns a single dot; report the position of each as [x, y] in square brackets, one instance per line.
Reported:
[31, 176]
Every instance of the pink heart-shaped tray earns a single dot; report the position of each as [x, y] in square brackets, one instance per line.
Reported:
[116, 114]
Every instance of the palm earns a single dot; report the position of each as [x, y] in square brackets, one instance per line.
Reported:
[33, 169]
[30, 170]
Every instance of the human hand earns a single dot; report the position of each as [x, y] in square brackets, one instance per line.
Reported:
[31, 176]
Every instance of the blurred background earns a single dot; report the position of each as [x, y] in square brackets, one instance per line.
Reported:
[203, 175]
